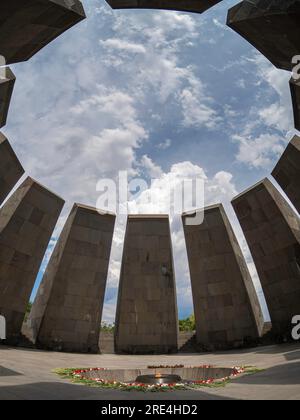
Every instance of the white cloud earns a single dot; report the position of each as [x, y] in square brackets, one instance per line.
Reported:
[170, 21]
[262, 132]
[279, 113]
[259, 152]
[119, 44]
[220, 25]
[156, 67]
[109, 312]
[196, 113]
[97, 136]
[165, 144]
[153, 170]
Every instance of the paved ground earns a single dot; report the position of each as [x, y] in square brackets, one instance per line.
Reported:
[26, 374]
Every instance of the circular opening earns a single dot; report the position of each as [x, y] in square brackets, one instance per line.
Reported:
[155, 376]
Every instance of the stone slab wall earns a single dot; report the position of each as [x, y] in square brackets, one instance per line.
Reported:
[27, 221]
[272, 230]
[226, 306]
[28, 26]
[180, 5]
[271, 27]
[287, 172]
[66, 314]
[146, 319]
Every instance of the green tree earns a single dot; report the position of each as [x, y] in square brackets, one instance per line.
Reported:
[28, 309]
[187, 324]
[107, 327]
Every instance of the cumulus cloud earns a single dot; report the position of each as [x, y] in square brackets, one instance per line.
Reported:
[156, 66]
[279, 113]
[165, 144]
[196, 113]
[259, 152]
[119, 44]
[269, 124]
[150, 167]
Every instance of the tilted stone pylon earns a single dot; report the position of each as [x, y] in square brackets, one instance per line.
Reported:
[227, 309]
[195, 6]
[147, 320]
[272, 230]
[66, 314]
[27, 26]
[271, 26]
[27, 221]
[287, 172]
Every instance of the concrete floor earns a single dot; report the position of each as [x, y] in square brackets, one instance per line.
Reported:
[26, 374]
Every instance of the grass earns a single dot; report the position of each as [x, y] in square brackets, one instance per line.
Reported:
[217, 384]
[67, 373]
[252, 370]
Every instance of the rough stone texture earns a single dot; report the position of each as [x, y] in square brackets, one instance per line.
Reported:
[195, 6]
[271, 26]
[227, 310]
[11, 169]
[27, 221]
[272, 230]
[146, 319]
[107, 342]
[287, 172]
[27, 26]
[295, 92]
[66, 314]
[7, 83]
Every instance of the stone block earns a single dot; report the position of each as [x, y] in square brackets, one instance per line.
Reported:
[278, 261]
[22, 252]
[75, 280]
[194, 6]
[27, 26]
[223, 291]
[271, 26]
[287, 172]
[146, 320]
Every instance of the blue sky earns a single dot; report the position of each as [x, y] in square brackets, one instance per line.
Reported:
[159, 94]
